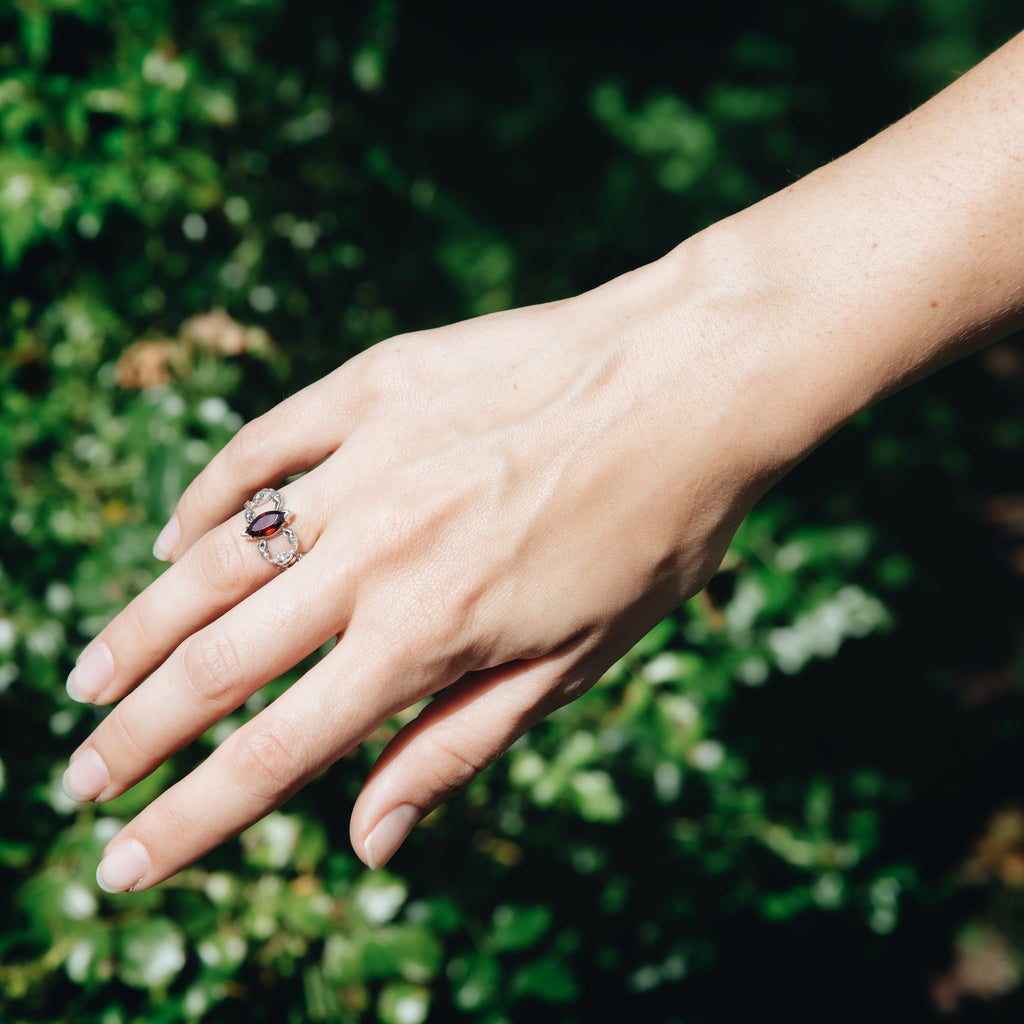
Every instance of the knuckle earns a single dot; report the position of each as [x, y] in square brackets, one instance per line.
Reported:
[212, 667]
[134, 633]
[174, 823]
[266, 762]
[433, 626]
[216, 563]
[202, 495]
[389, 370]
[246, 451]
[450, 765]
[123, 737]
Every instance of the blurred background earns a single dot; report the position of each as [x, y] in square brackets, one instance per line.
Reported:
[801, 793]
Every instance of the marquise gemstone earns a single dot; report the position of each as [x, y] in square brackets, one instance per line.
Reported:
[266, 524]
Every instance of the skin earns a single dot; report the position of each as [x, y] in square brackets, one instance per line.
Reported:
[495, 511]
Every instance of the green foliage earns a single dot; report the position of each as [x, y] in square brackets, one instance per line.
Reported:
[770, 799]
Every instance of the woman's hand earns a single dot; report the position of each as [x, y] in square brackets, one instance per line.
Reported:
[491, 512]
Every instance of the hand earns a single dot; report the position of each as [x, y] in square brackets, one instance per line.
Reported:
[498, 509]
[492, 512]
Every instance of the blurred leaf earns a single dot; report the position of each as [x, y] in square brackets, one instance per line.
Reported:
[518, 927]
[548, 979]
[403, 1004]
[475, 980]
[152, 953]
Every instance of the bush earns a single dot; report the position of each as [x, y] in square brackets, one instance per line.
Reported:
[801, 790]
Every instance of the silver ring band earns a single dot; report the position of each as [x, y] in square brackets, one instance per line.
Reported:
[262, 527]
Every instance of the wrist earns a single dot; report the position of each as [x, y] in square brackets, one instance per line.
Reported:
[749, 342]
[867, 274]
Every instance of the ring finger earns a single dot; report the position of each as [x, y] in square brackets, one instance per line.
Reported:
[219, 570]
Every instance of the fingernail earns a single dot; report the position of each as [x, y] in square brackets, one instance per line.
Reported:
[86, 777]
[389, 834]
[124, 867]
[92, 675]
[167, 540]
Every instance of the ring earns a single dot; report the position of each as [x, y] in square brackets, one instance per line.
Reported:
[262, 526]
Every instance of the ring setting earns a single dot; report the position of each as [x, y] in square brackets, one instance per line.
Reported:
[263, 526]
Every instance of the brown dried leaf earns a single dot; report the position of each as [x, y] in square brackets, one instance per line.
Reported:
[146, 364]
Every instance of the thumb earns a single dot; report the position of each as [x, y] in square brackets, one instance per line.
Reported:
[454, 738]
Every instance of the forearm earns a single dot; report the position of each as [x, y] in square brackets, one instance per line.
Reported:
[881, 266]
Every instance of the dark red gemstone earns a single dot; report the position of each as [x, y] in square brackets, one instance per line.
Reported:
[266, 524]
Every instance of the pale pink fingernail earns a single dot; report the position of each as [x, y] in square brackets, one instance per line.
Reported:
[389, 834]
[86, 777]
[124, 867]
[92, 675]
[167, 540]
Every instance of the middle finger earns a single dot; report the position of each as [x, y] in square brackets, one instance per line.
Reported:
[208, 676]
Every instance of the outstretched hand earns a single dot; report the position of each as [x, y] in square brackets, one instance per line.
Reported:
[491, 513]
